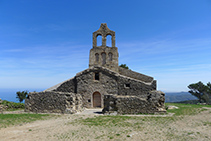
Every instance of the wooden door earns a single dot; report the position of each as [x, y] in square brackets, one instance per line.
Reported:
[96, 99]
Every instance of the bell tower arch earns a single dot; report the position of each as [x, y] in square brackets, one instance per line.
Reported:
[104, 55]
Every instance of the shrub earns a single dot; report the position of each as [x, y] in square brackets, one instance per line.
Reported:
[13, 105]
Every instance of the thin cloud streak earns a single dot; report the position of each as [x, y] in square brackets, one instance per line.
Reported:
[174, 63]
[165, 46]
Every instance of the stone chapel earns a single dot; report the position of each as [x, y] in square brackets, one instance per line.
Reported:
[103, 85]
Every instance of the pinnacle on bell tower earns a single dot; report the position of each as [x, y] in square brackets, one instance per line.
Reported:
[103, 31]
[103, 55]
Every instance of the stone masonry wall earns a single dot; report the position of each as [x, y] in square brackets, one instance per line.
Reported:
[110, 82]
[68, 86]
[134, 105]
[131, 87]
[110, 64]
[53, 102]
[135, 75]
[87, 85]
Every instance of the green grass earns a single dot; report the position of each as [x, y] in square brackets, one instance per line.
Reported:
[18, 119]
[186, 109]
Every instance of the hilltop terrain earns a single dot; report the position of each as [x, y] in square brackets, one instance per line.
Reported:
[189, 122]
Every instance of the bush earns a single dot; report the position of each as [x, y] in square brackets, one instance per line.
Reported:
[13, 105]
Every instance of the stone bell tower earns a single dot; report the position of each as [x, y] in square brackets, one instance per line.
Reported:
[103, 55]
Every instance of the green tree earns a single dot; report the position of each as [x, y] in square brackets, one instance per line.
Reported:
[201, 91]
[209, 92]
[209, 87]
[21, 95]
[124, 66]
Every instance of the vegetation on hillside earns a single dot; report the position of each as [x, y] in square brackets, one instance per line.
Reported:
[10, 106]
[178, 96]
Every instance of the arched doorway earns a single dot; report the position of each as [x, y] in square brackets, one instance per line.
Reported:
[96, 99]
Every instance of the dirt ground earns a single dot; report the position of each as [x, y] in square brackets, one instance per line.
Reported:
[194, 127]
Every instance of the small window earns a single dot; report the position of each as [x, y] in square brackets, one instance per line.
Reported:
[103, 58]
[96, 57]
[89, 100]
[97, 76]
[109, 40]
[110, 55]
[99, 40]
[127, 85]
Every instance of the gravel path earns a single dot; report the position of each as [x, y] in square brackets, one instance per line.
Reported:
[97, 111]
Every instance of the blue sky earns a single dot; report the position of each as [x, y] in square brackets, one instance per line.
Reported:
[44, 42]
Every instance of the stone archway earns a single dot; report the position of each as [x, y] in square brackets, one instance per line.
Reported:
[96, 100]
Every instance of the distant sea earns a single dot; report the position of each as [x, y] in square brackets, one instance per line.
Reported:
[10, 94]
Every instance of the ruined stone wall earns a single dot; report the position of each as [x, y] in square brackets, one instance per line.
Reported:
[68, 86]
[53, 102]
[134, 105]
[131, 87]
[135, 75]
[87, 85]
